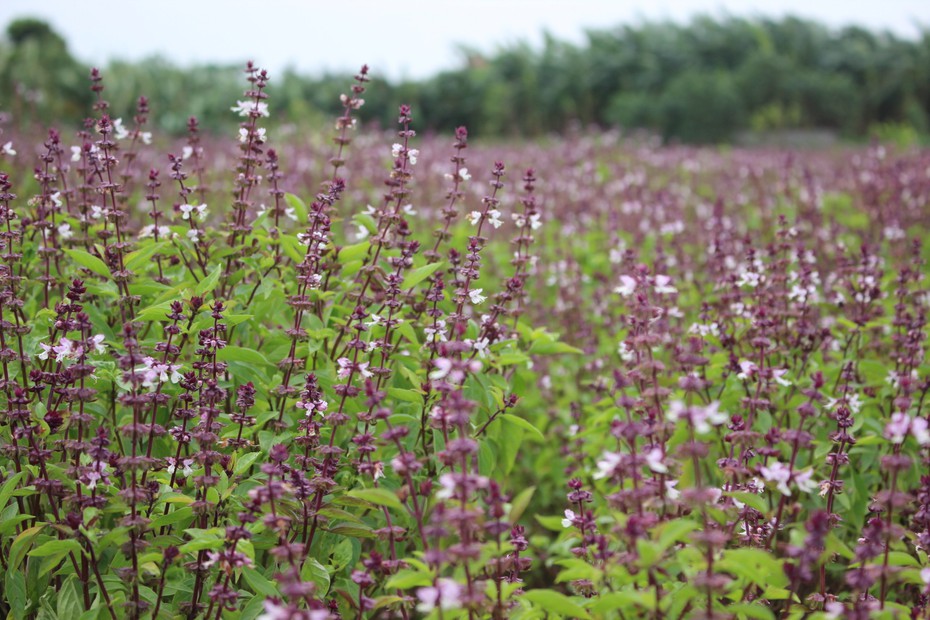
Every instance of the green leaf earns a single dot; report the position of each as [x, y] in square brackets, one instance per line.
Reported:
[752, 500]
[556, 603]
[750, 610]
[900, 558]
[405, 579]
[202, 544]
[675, 531]
[542, 347]
[300, 209]
[519, 504]
[352, 530]
[14, 593]
[56, 547]
[6, 491]
[419, 274]
[259, 583]
[353, 252]
[157, 312]
[364, 219]
[89, 261]
[70, 605]
[550, 523]
[623, 600]
[241, 354]
[21, 545]
[137, 259]
[378, 496]
[209, 283]
[244, 462]
[317, 573]
[407, 396]
[173, 517]
[525, 425]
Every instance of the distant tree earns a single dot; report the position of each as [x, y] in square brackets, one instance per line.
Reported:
[39, 79]
[701, 107]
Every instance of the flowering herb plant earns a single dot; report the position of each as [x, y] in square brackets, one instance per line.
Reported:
[655, 383]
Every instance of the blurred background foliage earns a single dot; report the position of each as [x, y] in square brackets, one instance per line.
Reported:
[710, 80]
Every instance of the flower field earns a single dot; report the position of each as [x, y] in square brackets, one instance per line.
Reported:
[371, 374]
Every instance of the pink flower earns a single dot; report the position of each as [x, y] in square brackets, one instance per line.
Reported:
[445, 595]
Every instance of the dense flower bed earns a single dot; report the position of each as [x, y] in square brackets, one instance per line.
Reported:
[393, 376]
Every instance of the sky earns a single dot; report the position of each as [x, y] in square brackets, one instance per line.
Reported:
[398, 39]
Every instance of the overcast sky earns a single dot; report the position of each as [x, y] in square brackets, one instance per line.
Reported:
[405, 38]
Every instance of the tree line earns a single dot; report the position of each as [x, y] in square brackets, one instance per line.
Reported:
[699, 82]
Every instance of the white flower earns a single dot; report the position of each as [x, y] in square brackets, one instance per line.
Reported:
[654, 459]
[97, 343]
[8, 149]
[474, 217]
[670, 491]
[495, 218]
[438, 333]
[701, 417]
[187, 152]
[749, 278]
[535, 221]
[56, 199]
[476, 296]
[704, 329]
[443, 367]
[607, 465]
[408, 210]
[747, 370]
[119, 132]
[154, 372]
[463, 175]
[396, 150]
[896, 430]
[781, 474]
[627, 286]
[194, 235]
[852, 402]
[919, 431]
[67, 348]
[247, 108]
[834, 609]
[445, 595]
[149, 231]
[778, 473]
[925, 575]
[258, 135]
[46, 348]
[64, 231]
[96, 212]
[345, 367]
[146, 137]
[626, 353]
[355, 103]
[804, 480]
[186, 466]
[75, 153]
[447, 487]
[777, 374]
[481, 347]
[412, 155]
[187, 210]
[663, 285]
[569, 519]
